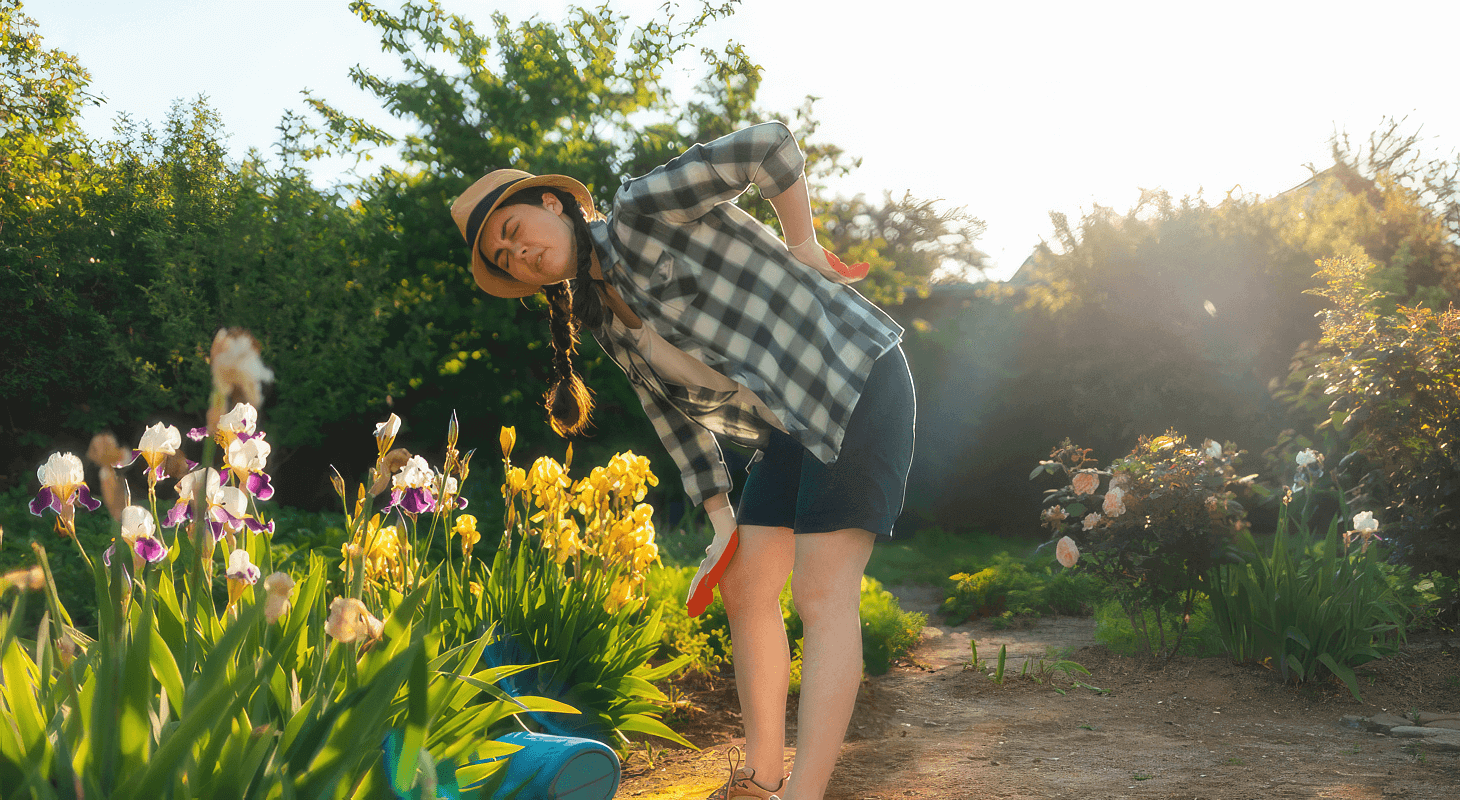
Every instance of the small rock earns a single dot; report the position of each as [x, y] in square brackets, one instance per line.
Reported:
[1379, 723]
[1354, 721]
[993, 763]
[1414, 732]
[1448, 742]
[1426, 717]
[1448, 724]
[930, 632]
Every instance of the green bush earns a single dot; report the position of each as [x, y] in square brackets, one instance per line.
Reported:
[1386, 380]
[1115, 630]
[1167, 515]
[1009, 586]
[888, 632]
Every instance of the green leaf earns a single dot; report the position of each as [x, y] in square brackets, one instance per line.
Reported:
[639, 723]
[415, 728]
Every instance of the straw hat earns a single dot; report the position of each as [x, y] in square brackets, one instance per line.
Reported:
[477, 203]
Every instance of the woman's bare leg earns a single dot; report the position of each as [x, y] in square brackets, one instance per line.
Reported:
[751, 590]
[826, 584]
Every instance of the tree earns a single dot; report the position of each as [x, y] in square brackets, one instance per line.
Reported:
[910, 243]
[546, 98]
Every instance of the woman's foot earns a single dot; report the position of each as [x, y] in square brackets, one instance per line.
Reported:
[742, 783]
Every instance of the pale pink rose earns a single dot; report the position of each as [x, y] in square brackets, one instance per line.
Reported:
[1114, 502]
[1085, 482]
[1092, 520]
[1066, 552]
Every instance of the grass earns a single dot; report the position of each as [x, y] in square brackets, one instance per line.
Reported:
[932, 554]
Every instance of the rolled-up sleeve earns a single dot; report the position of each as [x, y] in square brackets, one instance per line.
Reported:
[705, 175]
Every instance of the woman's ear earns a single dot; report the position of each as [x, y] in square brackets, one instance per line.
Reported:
[551, 203]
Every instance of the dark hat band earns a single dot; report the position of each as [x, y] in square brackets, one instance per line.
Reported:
[479, 214]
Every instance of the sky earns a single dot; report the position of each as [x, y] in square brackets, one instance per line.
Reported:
[1007, 109]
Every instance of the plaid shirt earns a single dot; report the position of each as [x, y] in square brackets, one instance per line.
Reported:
[722, 287]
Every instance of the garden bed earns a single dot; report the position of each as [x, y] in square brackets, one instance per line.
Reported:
[1193, 728]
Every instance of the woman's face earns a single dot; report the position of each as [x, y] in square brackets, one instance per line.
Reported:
[533, 244]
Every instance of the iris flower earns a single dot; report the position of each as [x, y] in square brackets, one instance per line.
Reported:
[278, 587]
[246, 459]
[351, 621]
[139, 531]
[63, 486]
[385, 434]
[240, 423]
[241, 573]
[158, 442]
[414, 488]
[227, 505]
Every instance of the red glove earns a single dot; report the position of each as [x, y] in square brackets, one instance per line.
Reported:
[822, 260]
[702, 588]
[717, 558]
[856, 271]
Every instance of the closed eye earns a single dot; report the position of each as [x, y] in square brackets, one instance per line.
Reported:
[502, 256]
[495, 270]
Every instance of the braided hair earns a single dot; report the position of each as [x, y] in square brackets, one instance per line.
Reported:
[572, 305]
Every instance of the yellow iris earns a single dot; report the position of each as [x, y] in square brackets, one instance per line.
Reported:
[466, 528]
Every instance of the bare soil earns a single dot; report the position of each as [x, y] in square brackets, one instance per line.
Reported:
[1195, 729]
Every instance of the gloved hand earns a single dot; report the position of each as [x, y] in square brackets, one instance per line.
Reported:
[813, 255]
[717, 558]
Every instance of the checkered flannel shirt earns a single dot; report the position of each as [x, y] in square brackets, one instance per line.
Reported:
[719, 285]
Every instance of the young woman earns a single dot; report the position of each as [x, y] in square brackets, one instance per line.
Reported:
[726, 332]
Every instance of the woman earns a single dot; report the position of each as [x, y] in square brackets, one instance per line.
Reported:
[725, 331]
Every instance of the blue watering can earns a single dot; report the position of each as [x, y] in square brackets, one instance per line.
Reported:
[546, 768]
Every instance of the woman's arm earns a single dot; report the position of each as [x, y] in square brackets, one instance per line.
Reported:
[706, 175]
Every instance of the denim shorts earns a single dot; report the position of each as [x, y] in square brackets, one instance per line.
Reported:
[790, 488]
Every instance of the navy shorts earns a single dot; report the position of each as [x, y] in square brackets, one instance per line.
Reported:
[790, 488]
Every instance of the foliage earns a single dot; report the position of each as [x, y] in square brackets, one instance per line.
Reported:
[72, 574]
[1308, 610]
[1115, 629]
[567, 586]
[1173, 312]
[909, 243]
[1008, 587]
[1391, 381]
[927, 556]
[888, 632]
[281, 691]
[1168, 515]
[1416, 198]
[42, 94]
[704, 639]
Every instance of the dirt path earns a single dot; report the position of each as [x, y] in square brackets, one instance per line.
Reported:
[1196, 728]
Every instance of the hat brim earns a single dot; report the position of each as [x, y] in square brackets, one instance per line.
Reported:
[510, 287]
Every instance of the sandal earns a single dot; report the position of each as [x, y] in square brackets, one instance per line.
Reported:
[741, 782]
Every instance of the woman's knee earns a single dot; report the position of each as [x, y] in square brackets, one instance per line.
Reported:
[759, 568]
[827, 582]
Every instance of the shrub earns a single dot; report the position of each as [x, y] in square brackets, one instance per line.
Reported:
[1010, 586]
[888, 632]
[1392, 379]
[1167, 516]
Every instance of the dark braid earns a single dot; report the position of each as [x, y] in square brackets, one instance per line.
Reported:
[572, 305]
